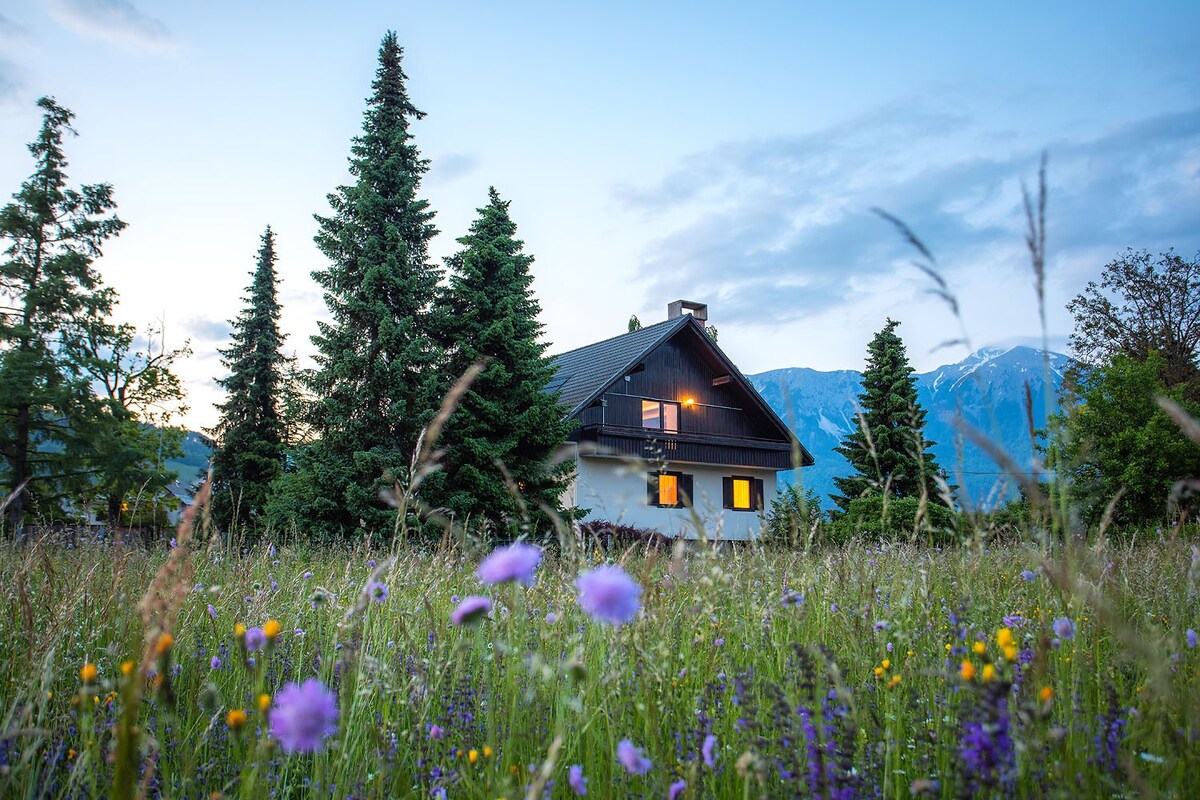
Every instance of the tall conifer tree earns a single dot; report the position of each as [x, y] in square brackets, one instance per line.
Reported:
[375, 378]
[897, 457]
[51, 300]
[249, 453]
[489, 314]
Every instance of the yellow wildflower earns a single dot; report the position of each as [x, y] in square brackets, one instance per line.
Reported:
[989, 672]
[1004, 637]
[264, 701]
[127, 668]
[239, 630]
[473, 756]
[165, 642]
[895, 680]
[878, 672]
[886, 663]
[1046, 694]
[88, 673]
[236, 719]
[980, 648]
[487, 751]
[967, 671]
[1010, 652]
[272, 629]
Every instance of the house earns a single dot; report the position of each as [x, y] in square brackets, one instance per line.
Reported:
[669, 433]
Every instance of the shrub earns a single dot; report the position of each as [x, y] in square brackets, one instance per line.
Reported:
[794, 519]
[869, 517]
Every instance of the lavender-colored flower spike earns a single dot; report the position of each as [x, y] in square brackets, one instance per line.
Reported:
[706, 751]
[212, 612]
[471, 610]
[516, 562]
[609, 595]
[304, 716]
[1064, 628]
[1191, 638]
[675, 789]
[576, 781]
[632, 758]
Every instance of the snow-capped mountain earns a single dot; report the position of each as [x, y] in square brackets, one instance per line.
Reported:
[986, 390]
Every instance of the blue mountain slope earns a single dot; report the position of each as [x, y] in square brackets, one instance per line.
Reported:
[986, 389]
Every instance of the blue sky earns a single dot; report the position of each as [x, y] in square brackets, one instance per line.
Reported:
[726, 153]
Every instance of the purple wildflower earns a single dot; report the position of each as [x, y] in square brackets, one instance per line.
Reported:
[307, 575]
[676, 789]
[1028, 575]
[377, 591]
[436, 732]
[1064, 628]
[576, 781]
[255, 639]
[513, 563]
[371, 563]
[212, 612]
[471, 610]
[632, 758]
[551, 618]
[706, 751]
[1191, 638]
[304, 716]
[792, 600]
[609, 595]
[215, 663]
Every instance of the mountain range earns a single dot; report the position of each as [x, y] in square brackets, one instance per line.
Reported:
[987, 390]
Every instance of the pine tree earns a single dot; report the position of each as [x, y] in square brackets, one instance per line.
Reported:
[505, 418]
[250, 436]
[50, 299]
[896, 459]
[374, 382]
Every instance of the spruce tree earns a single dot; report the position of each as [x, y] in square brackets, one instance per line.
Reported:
[375, 376]
[505, 418]
[51, 299]
[896, 459]
[249, 435]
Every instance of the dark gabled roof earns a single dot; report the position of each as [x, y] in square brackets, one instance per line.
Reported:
[585, 372]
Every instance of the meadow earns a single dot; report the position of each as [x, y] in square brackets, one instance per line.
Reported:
[862, 670]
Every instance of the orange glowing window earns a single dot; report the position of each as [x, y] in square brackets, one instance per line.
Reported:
[660, 415]
[668, 490]
[741, 494]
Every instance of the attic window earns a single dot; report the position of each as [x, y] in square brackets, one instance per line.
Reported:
[660, 415]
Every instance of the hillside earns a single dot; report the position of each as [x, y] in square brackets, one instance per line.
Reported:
[987, 389]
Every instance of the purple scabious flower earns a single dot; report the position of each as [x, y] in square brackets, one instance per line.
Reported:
[255, 639]
[609, 595]
[706, 751]
[576, 781]
[632, 758]
[215, 663]
[551, 618]
[792, 600]
[377, 591]
[307, 575]
[436, 732]
[1028, 575]
[676, 789]
[471, 610]
[1190, 635]
[513, 563]
[1064, 628]
[304, 716]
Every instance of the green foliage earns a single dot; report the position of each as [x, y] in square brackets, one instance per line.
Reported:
[375, 380]
[504, 422]
[52, 301]
[250, 433]
[1114, 439]
[635, 324]
[794, 518]
[892, 455]
[876, 517]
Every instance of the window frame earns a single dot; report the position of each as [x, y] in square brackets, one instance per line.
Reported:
[662, 414]
[756, 489]
[684, 484]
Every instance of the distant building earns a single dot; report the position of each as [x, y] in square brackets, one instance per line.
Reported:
[670, 433]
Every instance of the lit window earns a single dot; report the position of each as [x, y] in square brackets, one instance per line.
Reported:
[668, 490]
[660, 415]
[741, 494]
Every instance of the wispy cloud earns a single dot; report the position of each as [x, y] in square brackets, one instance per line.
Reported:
[118, 22]
[10, 80]
[449, 167]
[207, 331]
[786, 223]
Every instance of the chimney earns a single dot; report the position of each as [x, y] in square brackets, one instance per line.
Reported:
[699, 310]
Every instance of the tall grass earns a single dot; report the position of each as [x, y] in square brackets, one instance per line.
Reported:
[725, 646]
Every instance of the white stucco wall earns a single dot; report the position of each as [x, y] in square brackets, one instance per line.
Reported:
[615, 490]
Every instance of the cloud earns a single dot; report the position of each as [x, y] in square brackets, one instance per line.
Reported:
[786, 223]
[207, 331]
[117, 22]
[10, 81]
[11, 32]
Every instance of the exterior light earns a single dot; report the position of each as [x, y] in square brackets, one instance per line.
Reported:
[689, 401]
